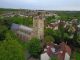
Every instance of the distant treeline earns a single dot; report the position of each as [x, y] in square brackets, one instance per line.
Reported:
[10, 9]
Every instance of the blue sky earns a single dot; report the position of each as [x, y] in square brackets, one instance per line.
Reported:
[42, 4]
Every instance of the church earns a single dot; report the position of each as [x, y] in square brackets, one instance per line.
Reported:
[26, 33]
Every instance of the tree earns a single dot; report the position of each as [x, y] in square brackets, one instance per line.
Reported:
[48, 39]
[50, 19]
[78, 37]
[48, 31]
[61, 29]
[34, 47]
[28, 21]
[57, 36]
[53, 33]
[11, 49]
[6, 22]
[3, 30]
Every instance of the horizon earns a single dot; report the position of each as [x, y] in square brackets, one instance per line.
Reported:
[57, 5]
[40, 9]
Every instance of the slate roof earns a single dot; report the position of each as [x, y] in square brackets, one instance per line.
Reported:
[21, 27]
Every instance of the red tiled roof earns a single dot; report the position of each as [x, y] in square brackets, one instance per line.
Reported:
[66, 49]
[53, 25]
[63, 48]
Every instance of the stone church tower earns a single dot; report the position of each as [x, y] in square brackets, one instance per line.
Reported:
[38, 27]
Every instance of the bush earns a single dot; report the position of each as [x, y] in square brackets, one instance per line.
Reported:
[34, 47]
[11, 50]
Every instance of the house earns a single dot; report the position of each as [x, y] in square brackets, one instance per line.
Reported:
[78, 28]
[66, 52]
[61, 51]
[56, 24]
[45, 56]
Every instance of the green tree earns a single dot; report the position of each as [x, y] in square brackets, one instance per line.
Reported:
[28, 21]
[11, 49]
[3, 30]
[6, 21]
[48, 39]
[57, 36]
[50, 19]
[48, 31]
[61, 29]
[34, 47]
[53, 33]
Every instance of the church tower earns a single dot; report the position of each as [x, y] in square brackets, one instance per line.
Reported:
[38, 27]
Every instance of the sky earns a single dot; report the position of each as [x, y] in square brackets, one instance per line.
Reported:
[72, 5]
